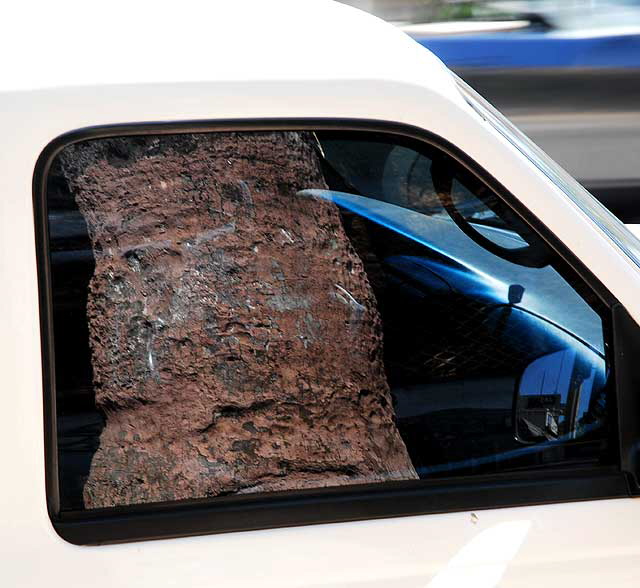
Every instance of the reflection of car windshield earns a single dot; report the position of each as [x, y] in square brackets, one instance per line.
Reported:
[457, 339]
[469, 268]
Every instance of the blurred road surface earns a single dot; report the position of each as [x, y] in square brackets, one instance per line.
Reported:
[597, 148]
[587, 120]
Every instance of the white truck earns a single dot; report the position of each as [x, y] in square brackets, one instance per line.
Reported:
[286, 303]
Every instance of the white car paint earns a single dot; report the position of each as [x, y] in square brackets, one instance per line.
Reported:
[73, 65]
[635, 229]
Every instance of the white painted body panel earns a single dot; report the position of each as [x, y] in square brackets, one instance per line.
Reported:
[191, 63]
[635, 229]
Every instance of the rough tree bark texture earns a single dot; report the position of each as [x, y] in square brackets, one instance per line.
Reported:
[235, 340]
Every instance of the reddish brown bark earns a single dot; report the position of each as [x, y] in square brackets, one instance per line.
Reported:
[236, 344]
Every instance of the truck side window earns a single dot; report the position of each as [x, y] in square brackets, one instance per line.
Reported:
[249, 312]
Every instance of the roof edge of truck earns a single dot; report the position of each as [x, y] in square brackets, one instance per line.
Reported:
[156, 42]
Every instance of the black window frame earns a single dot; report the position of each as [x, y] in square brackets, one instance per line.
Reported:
[346, 503]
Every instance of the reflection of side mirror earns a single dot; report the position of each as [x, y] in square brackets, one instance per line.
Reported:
[556, 396]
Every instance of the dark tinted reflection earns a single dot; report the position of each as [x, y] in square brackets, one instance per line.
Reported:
[477, 318]
[72, 262]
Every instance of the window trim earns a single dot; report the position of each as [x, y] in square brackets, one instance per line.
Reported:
[326, 505]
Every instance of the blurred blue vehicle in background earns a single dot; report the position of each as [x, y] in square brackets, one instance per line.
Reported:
[561, 38]
[568, 74]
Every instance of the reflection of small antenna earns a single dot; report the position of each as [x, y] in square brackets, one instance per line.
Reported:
[516, 292]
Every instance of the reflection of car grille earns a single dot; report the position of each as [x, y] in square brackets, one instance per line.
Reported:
[475, 342]
[451, 337]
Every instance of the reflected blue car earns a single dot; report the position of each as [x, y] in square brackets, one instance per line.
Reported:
[526, 316]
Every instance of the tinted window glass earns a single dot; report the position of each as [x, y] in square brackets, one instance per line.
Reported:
[261, 311]
[476, 316]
